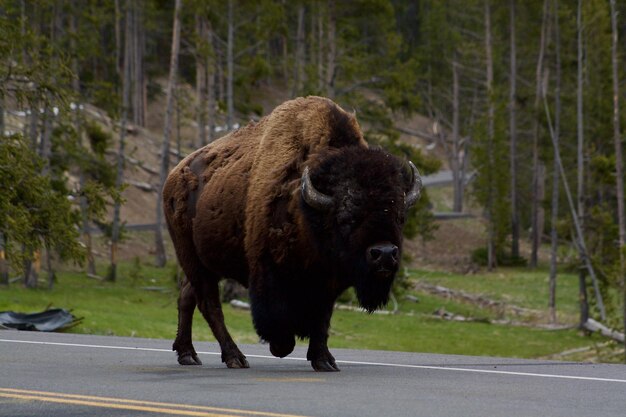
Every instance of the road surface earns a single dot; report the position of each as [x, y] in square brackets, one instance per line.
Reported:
[52, 374]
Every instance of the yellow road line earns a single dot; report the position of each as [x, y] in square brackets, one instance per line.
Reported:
[136, 405]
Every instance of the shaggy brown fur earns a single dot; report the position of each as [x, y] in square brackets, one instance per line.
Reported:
[230, 204]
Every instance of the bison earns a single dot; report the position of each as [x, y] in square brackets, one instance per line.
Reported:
[297, 208]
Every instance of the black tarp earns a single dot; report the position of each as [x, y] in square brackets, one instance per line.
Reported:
[45, 321]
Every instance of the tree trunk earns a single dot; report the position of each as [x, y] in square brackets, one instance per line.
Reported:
[555, 173]
[33, 128]
[580, 241]
[211, 95]
[201, 79]
[78, 125]
[1, 116]
[320, 49]
[513, 133]
[45, 147]
[541, 212]
[331, 54]
[161, 258]
[284, 46]
[299, 67]
[4, 266]
[32, 267]
[211, 85]
[178, 123]
[580, 196]
[219, 73]
[137, 68]
[119, 179]
[619, 174]
[535, 197]
[456, 165]
[50, 269]
[230, 106]
[491, 255]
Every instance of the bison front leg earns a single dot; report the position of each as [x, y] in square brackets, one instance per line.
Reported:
[182, 345]
[319, 355]
[211, 308]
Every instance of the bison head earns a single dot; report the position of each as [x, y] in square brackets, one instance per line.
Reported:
[356, 201]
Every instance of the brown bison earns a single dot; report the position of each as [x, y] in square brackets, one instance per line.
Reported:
[297, 208]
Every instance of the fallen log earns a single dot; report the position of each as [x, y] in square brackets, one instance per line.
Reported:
[594, 326]
[500, 307]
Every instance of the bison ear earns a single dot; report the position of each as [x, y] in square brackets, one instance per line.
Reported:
[311, 196]
[416, 187]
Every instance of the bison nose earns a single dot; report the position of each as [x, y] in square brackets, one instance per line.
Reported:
[383, 256]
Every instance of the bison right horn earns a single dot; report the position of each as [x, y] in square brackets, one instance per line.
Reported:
[311, 196]
[416, 189]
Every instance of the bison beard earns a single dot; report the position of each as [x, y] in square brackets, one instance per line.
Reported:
[297, 208]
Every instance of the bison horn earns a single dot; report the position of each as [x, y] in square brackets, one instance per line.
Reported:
[414, 195]
[311, 196]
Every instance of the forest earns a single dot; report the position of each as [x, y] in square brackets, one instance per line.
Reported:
[524, 97]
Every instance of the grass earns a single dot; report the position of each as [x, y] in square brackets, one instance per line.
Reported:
[517, 286]
[127, 308]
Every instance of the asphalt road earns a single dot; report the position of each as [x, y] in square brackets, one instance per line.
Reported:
[43, 374]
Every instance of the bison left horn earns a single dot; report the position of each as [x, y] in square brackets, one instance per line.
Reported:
[414, 195]
[311, 196]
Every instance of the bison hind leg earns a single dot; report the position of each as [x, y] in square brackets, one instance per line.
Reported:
[182, 345]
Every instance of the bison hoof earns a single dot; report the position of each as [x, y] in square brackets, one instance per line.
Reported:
[189, 359]
[282, 349]
[237, 363]
[321, 365]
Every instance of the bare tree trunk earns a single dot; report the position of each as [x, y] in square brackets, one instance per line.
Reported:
[78, 124]
[513, 134]
[32, 267]
[50, 269]
[119, 179]
[535, 203]
[202, 63]
[1, 116]
[456, 165]
[45, 149]
[320, 48]
[211, 84]
[299, 67]
[580, 241]
[211, 96]
[491, 256]
[230, 106]
[580, 197]
[4, 266]
[284, 50]
[619, 174]
[137, 68]
[118, 38]
[33, 128]
[161, 257]
[555, 173]
[331, 54]
[178, 123]
[220, 83]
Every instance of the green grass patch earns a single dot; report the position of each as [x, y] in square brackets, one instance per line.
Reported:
[519, 286]
[132, 307]
[425, 334]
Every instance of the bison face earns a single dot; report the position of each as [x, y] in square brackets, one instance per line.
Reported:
[356, 200]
